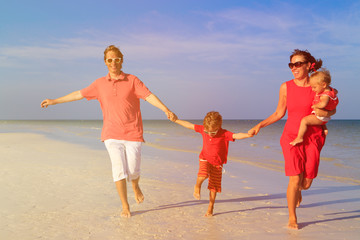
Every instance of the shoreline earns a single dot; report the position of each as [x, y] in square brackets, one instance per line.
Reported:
[59, 190]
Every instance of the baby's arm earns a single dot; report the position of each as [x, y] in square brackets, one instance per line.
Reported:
[185, 124]
[324, 100]
[241, 135]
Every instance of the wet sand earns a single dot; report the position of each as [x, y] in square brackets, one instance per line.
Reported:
[59, 190]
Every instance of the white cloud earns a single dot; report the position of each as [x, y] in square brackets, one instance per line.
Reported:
[234, 50]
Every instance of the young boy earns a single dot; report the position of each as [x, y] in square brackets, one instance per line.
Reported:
[213, 155]
[326, 98]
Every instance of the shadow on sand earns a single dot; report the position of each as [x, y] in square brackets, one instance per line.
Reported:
[314, 191]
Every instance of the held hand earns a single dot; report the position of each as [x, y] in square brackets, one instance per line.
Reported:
[254, 131]
[171, 116]
[47, 102]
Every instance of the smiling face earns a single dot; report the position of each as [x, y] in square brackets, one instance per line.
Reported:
[211, 130]
[212, 123]
[114, 67]
[302, 71]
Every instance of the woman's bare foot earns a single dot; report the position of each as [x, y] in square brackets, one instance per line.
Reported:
[296, 141]
[208, 214]
[293, 224]
[299, 200]
[197, 192]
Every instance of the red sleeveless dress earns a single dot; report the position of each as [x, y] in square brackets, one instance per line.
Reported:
[304, 157]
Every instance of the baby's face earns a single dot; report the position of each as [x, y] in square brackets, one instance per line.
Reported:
[317, 85]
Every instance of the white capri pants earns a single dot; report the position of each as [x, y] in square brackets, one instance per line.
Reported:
[125, 158]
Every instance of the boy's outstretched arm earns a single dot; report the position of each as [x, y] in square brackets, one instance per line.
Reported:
[186, 124]
[241, 135]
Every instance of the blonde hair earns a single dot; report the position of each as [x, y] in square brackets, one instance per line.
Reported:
[212, 119]
[323, 76]
[114, 49]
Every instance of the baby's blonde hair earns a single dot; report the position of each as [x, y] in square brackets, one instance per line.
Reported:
[212, 119]
[323, 76]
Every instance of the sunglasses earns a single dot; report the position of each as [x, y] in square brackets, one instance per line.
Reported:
[116, 60]
[296, 64]
[211, 132]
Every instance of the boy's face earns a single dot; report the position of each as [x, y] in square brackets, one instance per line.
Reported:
[211, 130]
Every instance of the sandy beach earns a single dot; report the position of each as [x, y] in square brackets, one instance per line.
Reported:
[59, 190]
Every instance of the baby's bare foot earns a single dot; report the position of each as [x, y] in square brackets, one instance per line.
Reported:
[296, 141]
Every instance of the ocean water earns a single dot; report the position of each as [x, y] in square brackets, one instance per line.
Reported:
[340, 159]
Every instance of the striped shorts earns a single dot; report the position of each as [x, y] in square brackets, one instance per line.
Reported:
[214, 173]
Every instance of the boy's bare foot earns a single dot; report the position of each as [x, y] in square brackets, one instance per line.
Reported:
[299, 200]
[125, 213]
[196, 193]
[210, 212]
[296, 141]
[139, 197]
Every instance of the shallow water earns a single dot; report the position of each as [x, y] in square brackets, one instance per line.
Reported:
[339, 157]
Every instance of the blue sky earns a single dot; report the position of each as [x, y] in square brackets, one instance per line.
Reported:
[196, 56]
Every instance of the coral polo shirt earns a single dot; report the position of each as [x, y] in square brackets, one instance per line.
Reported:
[120, 105]
[215, 149]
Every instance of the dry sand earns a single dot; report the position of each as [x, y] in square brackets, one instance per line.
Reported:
[58, 190]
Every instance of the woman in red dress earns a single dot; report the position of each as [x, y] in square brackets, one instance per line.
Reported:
[302, 160]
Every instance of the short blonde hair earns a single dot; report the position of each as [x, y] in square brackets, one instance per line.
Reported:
[212, 119]
[323, 76]
[112, 48]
